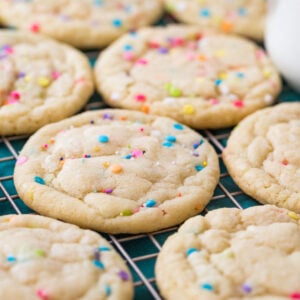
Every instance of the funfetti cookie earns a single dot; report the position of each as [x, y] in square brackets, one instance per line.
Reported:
[202, 79]
[117, 171]
[234, 255]
[43, 259]
[81, 23]
[263, 158]
[41, 81]
[244, 17]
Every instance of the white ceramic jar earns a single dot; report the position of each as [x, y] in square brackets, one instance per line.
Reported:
[283, 38]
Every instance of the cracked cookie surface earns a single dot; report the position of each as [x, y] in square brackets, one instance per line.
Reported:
[262, 155]
[117, 171]
[233, 254]
[41, 258]
[202, 79]
[41, 81]
[81, 23]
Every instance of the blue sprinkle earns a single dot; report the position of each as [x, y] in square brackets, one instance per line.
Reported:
[190, 251]
[218, 82]
[117, 22]
[240, 75]
[167, 144]
[170, 138]
[199, 168]
[150, 203]
[103, 139]
[11, 259]
[242, 11]
[39, 180]
[207, 286]
[205, 13]
[104, 248]
[107, 290]
[197, 144]
[98, 2]
[98, 264]
[128, 156]
[178, 126]
[127, 47]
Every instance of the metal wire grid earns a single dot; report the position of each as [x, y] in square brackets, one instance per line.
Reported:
[139, 251]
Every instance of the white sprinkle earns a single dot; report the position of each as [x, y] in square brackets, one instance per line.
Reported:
[169, 101]
[224, 89]
[268, 98]
[115, 96]
[181, 6]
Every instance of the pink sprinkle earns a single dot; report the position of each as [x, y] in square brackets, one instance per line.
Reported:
[177, 42]
[128, 55]
[137, 153]
[35, 27]
[191, 56]
[80, 80]
[214, 101]
[142, 61]
[142, 129]
[260, 54]
[9, 50]
[11, 101]
[154, 45]
[295, 295]
[14, 95]
[238, 103]
[21, 160]
[140, 97]
[55, 75]
[42, 294]
[137, 209]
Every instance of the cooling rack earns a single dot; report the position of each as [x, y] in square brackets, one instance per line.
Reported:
[139, 251]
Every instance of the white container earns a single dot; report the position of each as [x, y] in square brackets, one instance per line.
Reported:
[283, 38]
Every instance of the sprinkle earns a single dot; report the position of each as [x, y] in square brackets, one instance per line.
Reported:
[127, 47]
[246, 288]
[198, 168]
[35, 27]
[150, 203]
[98, 264]
[117, 22]
[204, 164]
[214, 101]
[104, 249]
[145, 109]
[11, 259]
[87, 156]
[140, 97]
[55, 75]
[98, 2]
[106, 164]
[171, 138]
[142, 61]
[40, 253]
[238, 103]
[285, 162]
[197, 144]
[126, 213]
[42, 294]
[163, 50]
[188, 109]
[108, 191]
[167, 144]
[190, 251]
[43, 82]
[15, 95]
[218, 82]
[242, 11]
[205, 13]
[178, 126]
[207, 286]
[116, 169]
[103, 139]
[295, 295]
[293, 215]
[128, 56]
[226, 26]
[123, 275]
[175, 92]
[39, 180]
[267, 73]
[21, 160]
[107, 290]
[137, 153]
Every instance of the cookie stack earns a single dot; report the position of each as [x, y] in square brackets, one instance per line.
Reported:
[139, 166]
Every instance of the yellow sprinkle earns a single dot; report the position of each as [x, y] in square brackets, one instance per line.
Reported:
[30, 194]
[40, 252]
[27, 78]
[267, 73]
[106, 164]
[223, 76]
[116, 169]
[219, 53]
[188, 109]
[204, 164]
[96, 149]
[43, 82]
[293, 215]
[216, 20]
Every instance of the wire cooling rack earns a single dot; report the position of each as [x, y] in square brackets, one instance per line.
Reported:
[139, 251]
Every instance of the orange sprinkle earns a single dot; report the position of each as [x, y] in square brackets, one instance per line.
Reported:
[202, 57]
[123, 118]
[226, 26]
[179, 194]
[145, 109]
[96, 149]
[116, 169]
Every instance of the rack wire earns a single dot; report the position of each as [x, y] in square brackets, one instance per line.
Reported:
[139, 251]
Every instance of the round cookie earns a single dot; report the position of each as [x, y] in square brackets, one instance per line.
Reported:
[43, 259]
[244, 17]
[202, 79]
[42, 81]
[117, 171]
[233, 254]
[81, 23]
[262, 155]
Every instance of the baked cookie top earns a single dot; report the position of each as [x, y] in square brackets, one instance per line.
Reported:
[202, 79]
[81, 23]
[262, 155]
[117, 171]
[244, 17]
[233, 254]
[43, 259]
[41, 81]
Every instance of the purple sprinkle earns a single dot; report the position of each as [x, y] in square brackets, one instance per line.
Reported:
[97, 254]
[247, 288]
[123, 275]
[21, 75]
[163, 50]
[108, 191]
[108, 116]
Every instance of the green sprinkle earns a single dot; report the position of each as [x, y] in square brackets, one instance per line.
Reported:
[126, 213]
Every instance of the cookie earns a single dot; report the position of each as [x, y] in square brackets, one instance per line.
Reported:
[43, 259]
[202, 79]
[233, 254]
[117, 171]
[42, 81]
[262, 155]
[244, 17]
[81, 23]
